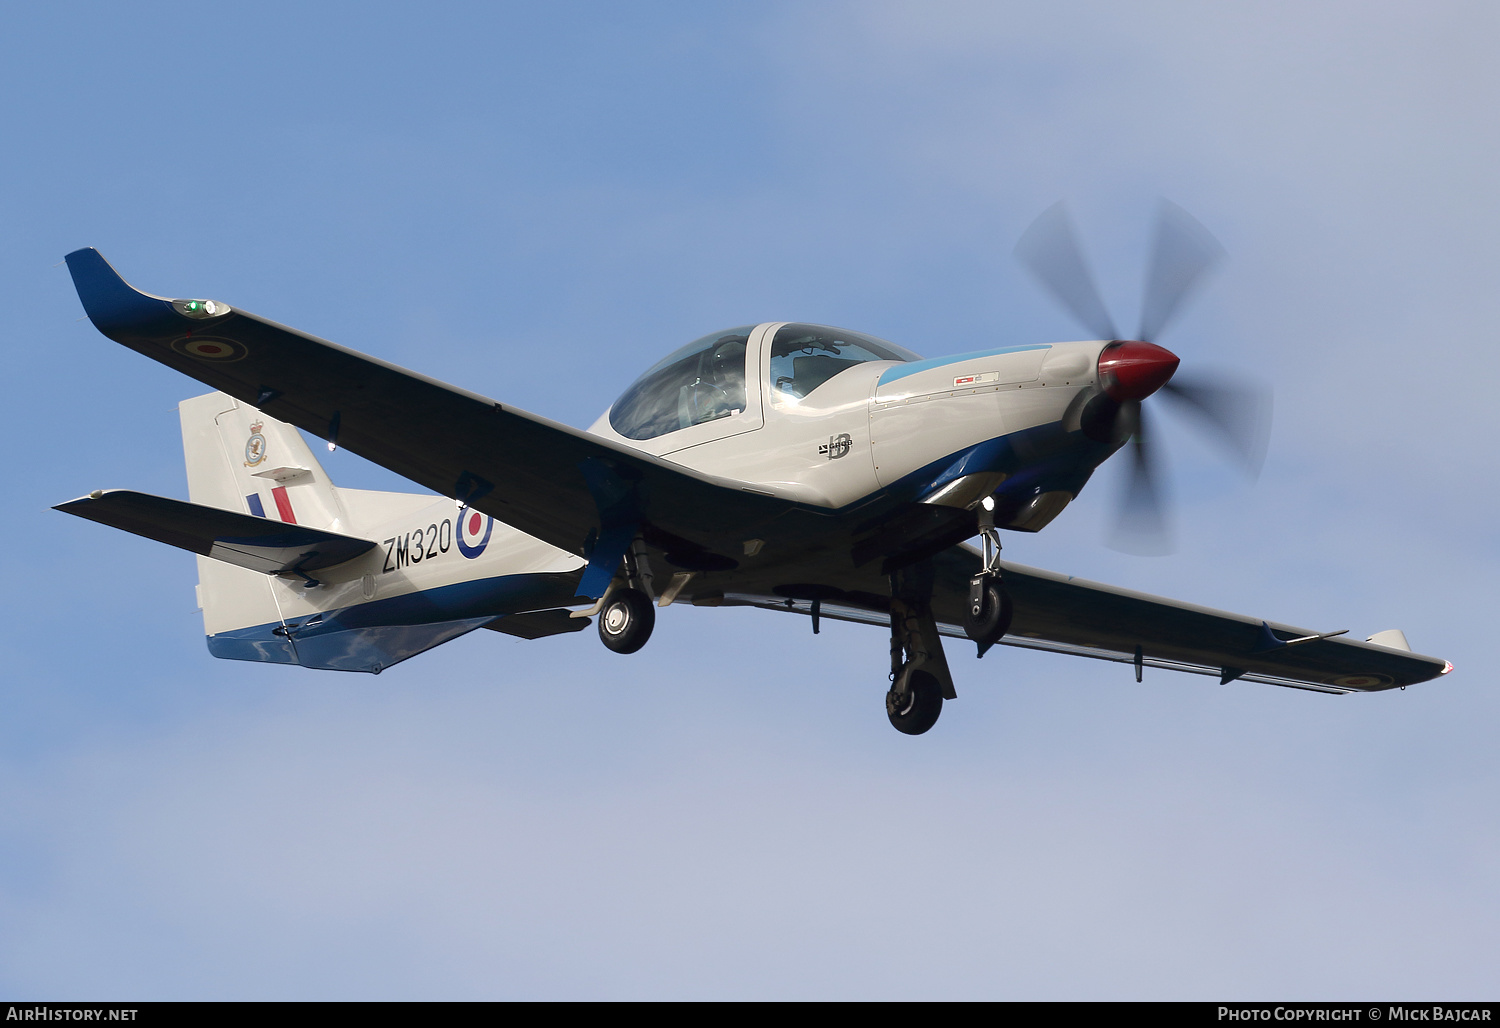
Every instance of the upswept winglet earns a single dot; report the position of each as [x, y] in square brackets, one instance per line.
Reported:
[110, 302]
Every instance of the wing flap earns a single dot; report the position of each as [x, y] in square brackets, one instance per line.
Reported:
[260, 544]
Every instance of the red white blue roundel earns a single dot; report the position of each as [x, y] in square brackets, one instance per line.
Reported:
[208, 348]
[473, 532]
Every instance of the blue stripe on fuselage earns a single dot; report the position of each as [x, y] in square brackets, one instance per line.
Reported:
[912, 367]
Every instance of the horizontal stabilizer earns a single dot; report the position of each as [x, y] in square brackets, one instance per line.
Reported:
[260, 544]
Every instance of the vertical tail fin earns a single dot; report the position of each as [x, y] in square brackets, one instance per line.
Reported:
[238, 459]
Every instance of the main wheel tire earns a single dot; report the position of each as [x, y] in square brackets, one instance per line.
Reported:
[995, 613]
[626, 621]
[917, 708]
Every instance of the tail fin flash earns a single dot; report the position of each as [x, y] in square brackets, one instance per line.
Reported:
[239, 459]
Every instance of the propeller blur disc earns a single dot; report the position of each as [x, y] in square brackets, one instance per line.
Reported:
[1235, 415]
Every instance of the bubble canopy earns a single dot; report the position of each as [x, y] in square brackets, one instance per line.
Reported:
[705, 380]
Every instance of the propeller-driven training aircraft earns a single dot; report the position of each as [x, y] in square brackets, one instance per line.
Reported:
[785, 466]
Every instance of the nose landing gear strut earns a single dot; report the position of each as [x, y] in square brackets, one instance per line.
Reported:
[988, 614]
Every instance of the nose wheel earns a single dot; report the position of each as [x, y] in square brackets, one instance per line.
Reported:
[988, 613]
[626, 621]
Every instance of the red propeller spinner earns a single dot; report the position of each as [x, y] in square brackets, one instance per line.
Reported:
[1132, 370]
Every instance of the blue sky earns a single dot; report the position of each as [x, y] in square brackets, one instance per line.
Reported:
[538, 201]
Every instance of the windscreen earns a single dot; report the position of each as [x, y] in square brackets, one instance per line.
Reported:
[803, 357]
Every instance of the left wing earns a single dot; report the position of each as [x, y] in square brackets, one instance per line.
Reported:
[552, 482]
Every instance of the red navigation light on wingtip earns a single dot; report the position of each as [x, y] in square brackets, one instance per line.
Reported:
[1133, 370]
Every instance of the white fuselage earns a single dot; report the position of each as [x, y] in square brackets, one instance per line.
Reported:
[898, 418]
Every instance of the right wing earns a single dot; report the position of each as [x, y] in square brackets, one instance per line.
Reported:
[1063, 614]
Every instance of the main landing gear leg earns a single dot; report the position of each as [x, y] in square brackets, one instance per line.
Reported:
[920, 679]
[988, 615]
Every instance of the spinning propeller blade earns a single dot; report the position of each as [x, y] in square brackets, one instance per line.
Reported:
[1049, 250]
[1183, 251]
[1236, 415]
[1141, 527]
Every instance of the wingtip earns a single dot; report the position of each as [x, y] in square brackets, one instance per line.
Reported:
[109, 301]
[72, 506]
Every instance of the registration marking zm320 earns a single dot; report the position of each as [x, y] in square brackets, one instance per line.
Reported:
[417, 545]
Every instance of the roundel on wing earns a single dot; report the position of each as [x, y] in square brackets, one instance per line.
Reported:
[1362, 681]
[209, 348]
[473, 532]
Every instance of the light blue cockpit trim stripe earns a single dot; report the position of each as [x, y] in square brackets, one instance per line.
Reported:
[902, 370]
